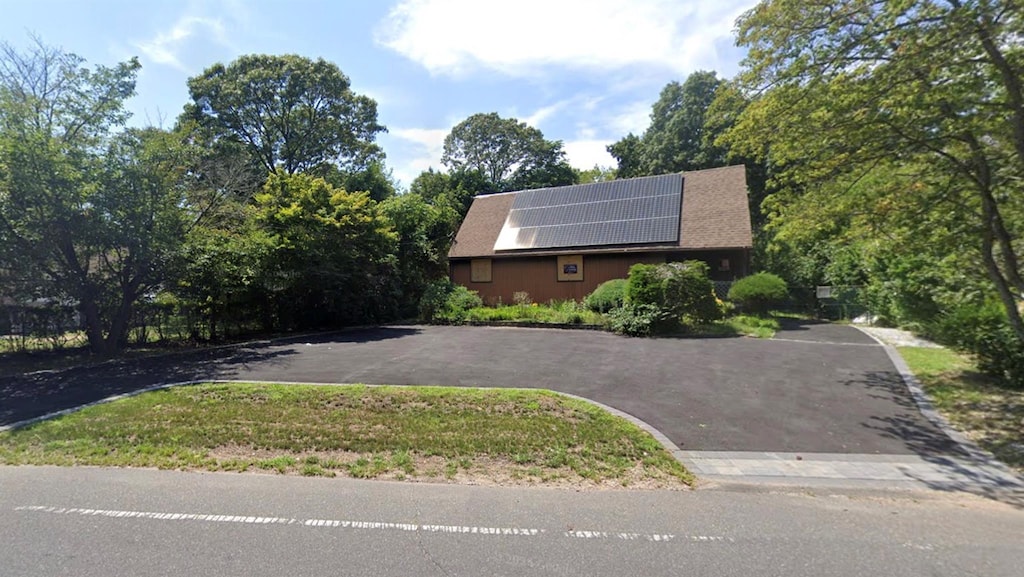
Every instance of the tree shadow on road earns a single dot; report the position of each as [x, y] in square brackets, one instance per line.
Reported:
[962, 469]
[30, 396]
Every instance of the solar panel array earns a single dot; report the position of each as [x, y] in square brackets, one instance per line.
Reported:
[635, 211]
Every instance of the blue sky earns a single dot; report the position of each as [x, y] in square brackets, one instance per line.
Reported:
[585, 72]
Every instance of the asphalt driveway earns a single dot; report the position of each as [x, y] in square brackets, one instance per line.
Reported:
[814, 388]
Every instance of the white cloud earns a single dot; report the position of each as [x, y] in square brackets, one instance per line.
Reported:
[166, 46]
[585, 154]
[454, 37]
[543, 113]
[422, 149]
[634, 117]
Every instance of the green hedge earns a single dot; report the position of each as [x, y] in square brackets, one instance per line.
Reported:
[758, 293]
[607, 296]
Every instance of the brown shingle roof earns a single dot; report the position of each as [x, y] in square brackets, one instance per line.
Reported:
[714, 214]
[480, 229]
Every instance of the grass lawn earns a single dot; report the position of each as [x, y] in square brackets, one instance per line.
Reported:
[753, 326]
[991, 416]
[432, 433]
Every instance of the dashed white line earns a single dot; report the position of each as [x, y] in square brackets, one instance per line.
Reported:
[367, 525]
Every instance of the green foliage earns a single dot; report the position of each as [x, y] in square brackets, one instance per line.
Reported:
[332, 260]
[567, 312]
[636, 320]
[753, 326]
[375, 178]
[290, 113]
[424, 233]
[681, 292]
[89, 212]
[758, 293]
[983, 331]
[509, 154]
[607, 296]
[885, 130]
[446, 302]
[450, 192]
[596, 174]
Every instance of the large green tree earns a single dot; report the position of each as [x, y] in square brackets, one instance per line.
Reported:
[292, 114]
[932, 86]
[510, 154]
[88, 212]
[677, 138]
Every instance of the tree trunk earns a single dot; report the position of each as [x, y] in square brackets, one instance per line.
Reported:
[117, 339]
[1002, 286]
[93, 322]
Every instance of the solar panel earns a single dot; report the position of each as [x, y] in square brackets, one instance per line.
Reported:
[634, 211]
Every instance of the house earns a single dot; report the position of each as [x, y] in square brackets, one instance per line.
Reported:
[560, 243]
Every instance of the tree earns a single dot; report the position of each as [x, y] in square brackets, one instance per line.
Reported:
[292, 114]
[677, 138]
[629, 153]
[932, 86]
[331, 260]
[375, 178]
[425, 232]
[596, 174]
[86, 213]
[510, 154]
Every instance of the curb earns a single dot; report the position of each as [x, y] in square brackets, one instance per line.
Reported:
[927, 408]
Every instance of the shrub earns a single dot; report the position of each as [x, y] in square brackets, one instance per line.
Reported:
[635, 320]
[759, 292]
[445, 301]
[680, 291]
[983, 331]
[607, 296]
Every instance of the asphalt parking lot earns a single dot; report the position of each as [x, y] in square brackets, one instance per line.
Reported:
[814, 388]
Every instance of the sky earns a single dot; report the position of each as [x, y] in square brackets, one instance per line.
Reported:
[585, 72]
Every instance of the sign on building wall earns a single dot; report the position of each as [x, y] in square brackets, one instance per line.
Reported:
[570, 267]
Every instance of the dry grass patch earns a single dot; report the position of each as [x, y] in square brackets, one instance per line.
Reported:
[401, 433]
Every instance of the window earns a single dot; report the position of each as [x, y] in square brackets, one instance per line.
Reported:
[570, 268]
[480, 270]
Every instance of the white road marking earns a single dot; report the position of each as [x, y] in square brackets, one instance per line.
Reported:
[367, 525]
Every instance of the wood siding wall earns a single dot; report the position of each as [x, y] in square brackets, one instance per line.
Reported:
[537, 275]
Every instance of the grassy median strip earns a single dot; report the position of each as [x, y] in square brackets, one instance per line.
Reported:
[989, 415]
[468, 435]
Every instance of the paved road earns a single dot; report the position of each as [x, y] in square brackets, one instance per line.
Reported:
[815, 388]
[110, 522]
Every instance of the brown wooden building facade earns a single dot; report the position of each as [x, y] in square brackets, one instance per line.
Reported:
[714, 227]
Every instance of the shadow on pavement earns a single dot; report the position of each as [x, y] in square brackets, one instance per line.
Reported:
[28, 396]
[962, 473]
[906, 423]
